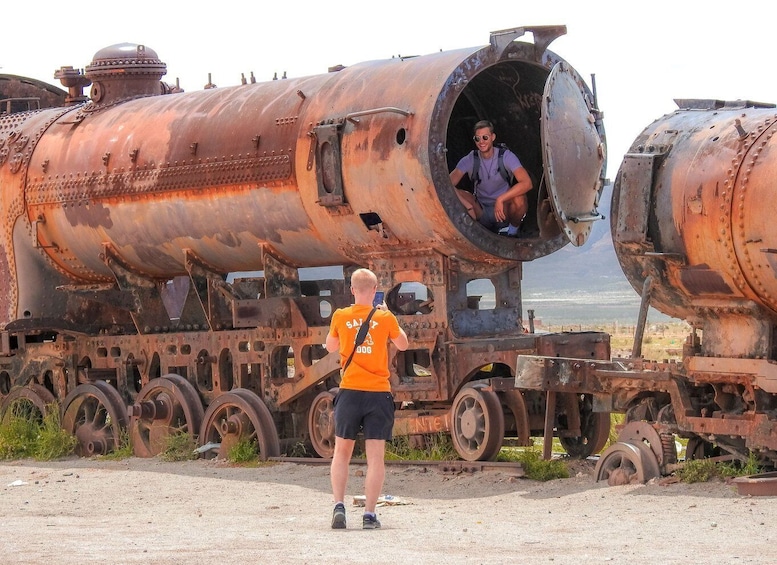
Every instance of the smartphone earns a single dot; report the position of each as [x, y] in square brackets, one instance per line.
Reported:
[378, 298]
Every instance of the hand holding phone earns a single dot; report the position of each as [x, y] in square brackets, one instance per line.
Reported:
[378, 300]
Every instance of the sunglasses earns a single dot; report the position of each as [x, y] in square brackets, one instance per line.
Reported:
[477, 138]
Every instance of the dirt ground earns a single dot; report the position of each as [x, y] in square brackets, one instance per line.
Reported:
[198, 512]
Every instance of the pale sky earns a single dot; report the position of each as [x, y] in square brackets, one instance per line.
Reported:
[644, 54]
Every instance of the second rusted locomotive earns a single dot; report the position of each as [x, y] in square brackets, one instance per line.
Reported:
[691, 227]
[171, 260]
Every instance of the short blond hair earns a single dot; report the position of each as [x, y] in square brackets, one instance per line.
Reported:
[363, 280]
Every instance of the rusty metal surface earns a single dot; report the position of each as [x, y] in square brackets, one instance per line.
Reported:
[24, 93]
[762, 484]
[196, 158]
[301, 154]
[700, 228]
[694, 236]
[575, 154]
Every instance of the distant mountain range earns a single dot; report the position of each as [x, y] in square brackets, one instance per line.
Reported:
[590, 267]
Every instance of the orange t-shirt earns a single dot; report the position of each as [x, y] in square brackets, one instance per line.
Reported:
[368, 370]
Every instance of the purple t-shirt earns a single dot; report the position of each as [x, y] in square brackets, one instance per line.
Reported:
[491, 182]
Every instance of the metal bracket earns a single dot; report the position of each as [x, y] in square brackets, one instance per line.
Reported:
[329, 164]
[280, 278]
[208, 299]
[148, 312]
[543, 36]
[353, 117]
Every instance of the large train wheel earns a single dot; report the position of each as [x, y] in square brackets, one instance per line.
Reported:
[96, 415]
[477, 424]
[165, 406]
[321, 424]
[31, 400]
[595, 429]
[239, 415]
[626, 463]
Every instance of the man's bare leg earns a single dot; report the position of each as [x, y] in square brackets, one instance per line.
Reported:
[339, 468]
[376, 472]
[470, 203]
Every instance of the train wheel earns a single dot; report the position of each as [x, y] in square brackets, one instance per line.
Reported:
[321, 424]
[626, 463]
[478, 425]
[514, 401]
[646, 434]
[595, 428]
[165, 406]
[95, 414]
[239, 415]
[31, 400]
[698, 448]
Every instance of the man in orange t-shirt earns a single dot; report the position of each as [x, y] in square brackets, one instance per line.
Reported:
[364, 402]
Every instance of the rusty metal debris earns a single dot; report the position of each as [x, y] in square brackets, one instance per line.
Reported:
[762, 484]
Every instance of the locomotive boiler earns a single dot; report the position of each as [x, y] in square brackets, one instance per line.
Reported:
[691, 229]
[171, 259]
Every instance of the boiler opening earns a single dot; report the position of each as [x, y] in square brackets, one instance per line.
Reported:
[509, 95]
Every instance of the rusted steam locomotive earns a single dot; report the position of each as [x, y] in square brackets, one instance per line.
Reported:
[691, 228]
[168, 256]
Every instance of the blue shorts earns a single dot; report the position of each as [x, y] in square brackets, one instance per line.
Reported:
[488, 219]
[359, 411]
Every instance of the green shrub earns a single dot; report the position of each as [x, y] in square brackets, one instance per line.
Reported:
[53, 442]
[740, 468]
[25, 432]
[121, 451]
[179, 447]
[703, 470]
[437, 447]
[244, 451]
[19, 430]
[535, 467]
[697, 471]
[615, 420]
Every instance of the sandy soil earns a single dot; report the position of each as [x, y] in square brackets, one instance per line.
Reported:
[148, 511]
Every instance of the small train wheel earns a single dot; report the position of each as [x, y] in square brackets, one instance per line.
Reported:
[595, 431]
[321, 424]
[698, 448]
[626, 463]
[477, 424]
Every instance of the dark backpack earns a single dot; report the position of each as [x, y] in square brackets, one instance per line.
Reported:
[506, 175]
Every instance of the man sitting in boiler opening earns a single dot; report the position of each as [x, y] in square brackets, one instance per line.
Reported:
[500, 183]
